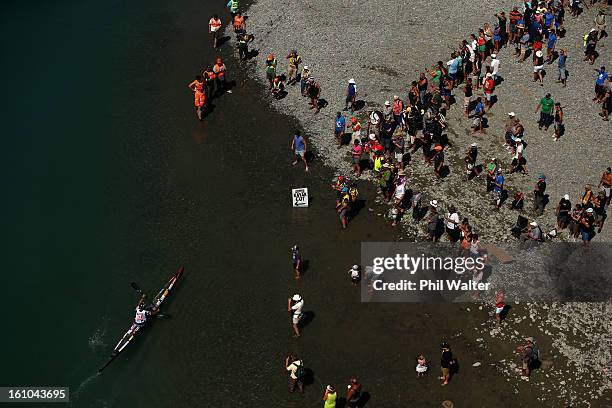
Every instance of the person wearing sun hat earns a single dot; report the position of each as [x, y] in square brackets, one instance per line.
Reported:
[587, 226]
[538, 67]
[563, 212]
[295, 304]
[434, 221]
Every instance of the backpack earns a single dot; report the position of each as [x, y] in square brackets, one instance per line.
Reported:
[300, 373]
[535, 353]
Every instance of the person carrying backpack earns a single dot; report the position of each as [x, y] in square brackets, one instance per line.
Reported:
[530, 354]
[297, 373]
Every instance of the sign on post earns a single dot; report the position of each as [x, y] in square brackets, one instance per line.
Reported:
[300, 197]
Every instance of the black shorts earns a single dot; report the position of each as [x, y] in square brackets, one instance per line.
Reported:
[215, 34]
[453, 234]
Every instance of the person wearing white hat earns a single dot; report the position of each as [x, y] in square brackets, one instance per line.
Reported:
[533, 233]
[563, 212]
[304, 79]
[494, 66]
[295, 305]
[354, 274]
[587, 226]
[351, 95]
[538, 67]
[435, 223]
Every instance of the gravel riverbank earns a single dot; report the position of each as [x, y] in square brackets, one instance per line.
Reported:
[384, 46]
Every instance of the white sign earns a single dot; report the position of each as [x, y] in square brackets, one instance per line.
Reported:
[300, 197]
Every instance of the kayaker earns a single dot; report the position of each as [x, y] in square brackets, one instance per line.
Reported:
[143, 311]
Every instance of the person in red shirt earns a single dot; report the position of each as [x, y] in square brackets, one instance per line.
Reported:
[239, 24]
[488, 86]
[214, 28]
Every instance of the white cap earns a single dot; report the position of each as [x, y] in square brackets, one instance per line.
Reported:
[351, 81]
[395, 97]
[372, 136]
[566, 197]
[493, 56]
[511, 114]
[387, 103]
[434, 203]
[519, 140]
[474, 144]
[489, 74]
[296, 297]
[355, 267]
[305, 66]
[592, 29]
[533, 224]
[539, 53]
[589, 210]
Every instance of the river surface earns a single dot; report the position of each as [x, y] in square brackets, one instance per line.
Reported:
[110, 179]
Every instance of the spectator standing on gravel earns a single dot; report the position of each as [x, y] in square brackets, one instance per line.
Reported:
[351, 94]
[600, 24]
[539, 199]
[514, 18]
[538, 67]
[313, 91]
[546, 112]
[339, 128]
[562, 69]
[494, 67]
[575, 217]
[559, 126]
[293, 65]
[304, 79]
[563, 212]
[606, 183]
[452, 225]
[590, 43]
[467, 96]
[271, 64]
[587, 226]
[295, 366]
[434, 221]
[498, 188]
[600, 82]
[488, 86]
[398, 110]
[551, 43]
[606, 103]
[479, 112]
[523, 46]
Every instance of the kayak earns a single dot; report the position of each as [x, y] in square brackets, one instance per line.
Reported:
[135, 328]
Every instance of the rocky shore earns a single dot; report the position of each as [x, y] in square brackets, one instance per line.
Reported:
[384, 46]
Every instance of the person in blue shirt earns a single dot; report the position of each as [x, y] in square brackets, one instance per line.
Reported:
[479, 112]
[600, 81]
[453, 68]
[498, 188]
[299, 145]
[351, 93]
[339, 127]
[550, 46]
[562, 70]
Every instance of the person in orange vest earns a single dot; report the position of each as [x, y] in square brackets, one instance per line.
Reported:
[197, 83]
[209, 77]
[219, 70]
[239, 24]
[277, 87]
[199, 102]
[214, 28]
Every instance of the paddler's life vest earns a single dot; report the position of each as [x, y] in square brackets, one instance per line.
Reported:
[354, 193]
[238, 22]
[276, 85]
[141, 316]
[234, 6]
[197, 84]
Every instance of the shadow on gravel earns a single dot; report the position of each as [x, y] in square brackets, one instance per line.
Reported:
[359, 104]
[322, 103]
[307, 318]
[223, 40]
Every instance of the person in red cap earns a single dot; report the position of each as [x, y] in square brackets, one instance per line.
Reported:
[353, 394]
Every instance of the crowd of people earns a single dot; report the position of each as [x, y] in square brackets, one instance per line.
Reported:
[396, 131]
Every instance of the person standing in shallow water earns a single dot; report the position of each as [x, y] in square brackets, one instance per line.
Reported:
[295, 305]
[296, 260]
[299, 146]
[329, 396]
